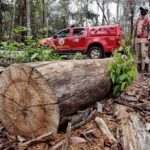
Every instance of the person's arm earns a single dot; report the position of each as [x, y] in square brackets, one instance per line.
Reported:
[149, 29]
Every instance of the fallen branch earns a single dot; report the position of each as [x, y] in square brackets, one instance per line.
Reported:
[8, 144]
[121, 115]
[87, 119]
[141, 106]
[86, 137]
[41, 139]
[103, 127]
[91, 132]
[76, 118]
[57, 146]
[67, 138]
[129, 97]
[88, 134]
[80, 117]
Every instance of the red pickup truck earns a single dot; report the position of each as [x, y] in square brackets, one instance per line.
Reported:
[94, 41]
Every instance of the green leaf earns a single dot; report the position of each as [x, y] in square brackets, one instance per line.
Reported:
[34, 56]
[116, 89]
[122, 77]
[123, 86]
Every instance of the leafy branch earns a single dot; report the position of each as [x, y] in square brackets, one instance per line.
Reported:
[123, 70]
[15, 52]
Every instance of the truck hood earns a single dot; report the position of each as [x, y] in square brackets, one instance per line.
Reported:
[45, 41]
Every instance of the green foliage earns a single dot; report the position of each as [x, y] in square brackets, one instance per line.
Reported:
[122, 71]
[78, 56]
[13, 46]
[22, 53]
[19, 29]
[127, 40]
[42, 33]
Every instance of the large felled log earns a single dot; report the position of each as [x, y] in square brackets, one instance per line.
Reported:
[35, 96]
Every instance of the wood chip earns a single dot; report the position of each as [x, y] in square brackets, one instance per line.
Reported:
[104, 128]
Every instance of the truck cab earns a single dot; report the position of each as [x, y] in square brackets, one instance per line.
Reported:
[94, 41]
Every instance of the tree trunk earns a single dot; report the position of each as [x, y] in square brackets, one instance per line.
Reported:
[108, 13]
[1, 18]
[103, 11]
[43, 13]
[22, 17]
[35, 96]
[28, 6]
[46, 17]
[117, 13]
[87, 10]
[13, 21]
[132, 19]
[103, 7]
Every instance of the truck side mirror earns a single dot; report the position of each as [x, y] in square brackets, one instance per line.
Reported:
[55, 36]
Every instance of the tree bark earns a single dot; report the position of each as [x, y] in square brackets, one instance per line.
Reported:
[21, 17]
[1, 18]
[46, 17]
[13, 20]
[28, 6]
[104, 19]
[43, 13]
[132, 9]
[103, 8]
[35, 96]
[108, 13]
[117, 12]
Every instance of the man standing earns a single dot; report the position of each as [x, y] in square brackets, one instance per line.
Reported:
[142, 37]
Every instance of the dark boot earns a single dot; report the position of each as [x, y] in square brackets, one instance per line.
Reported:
[146, 68]
[139, 67]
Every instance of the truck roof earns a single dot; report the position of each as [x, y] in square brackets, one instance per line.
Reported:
[79, 27]
[99, 30]
[105, 30]
[105, 26]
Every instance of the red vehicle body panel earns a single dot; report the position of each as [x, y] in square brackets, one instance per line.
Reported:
[81, 38]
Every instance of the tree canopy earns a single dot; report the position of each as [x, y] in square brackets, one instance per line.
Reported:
[45, 17]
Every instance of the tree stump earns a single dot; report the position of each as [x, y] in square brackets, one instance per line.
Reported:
[35, 96]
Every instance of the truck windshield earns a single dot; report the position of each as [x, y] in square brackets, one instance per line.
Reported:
[64, 33]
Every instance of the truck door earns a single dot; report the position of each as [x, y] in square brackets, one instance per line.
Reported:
[78, 39]
[61, 40]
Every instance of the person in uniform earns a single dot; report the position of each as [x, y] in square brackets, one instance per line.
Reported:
[142, 38]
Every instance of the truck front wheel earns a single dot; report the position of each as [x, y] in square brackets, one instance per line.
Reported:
[95, 52]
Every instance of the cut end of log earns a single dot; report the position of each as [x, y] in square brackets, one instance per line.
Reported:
[28, 106]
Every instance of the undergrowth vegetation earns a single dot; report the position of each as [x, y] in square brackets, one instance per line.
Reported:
[24, 52]
[78, 56]
[123, 69]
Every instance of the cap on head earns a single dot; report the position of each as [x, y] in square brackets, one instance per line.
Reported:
[143, 8]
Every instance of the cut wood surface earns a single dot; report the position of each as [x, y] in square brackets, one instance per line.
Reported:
[35, 96]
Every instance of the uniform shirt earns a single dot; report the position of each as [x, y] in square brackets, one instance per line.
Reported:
[139, 29]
